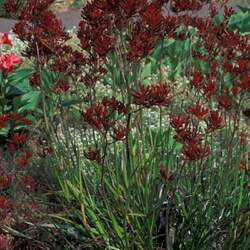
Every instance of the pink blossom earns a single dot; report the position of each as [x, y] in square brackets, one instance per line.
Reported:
[8, 61]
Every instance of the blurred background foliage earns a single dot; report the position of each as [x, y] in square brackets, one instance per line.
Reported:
[59, 5]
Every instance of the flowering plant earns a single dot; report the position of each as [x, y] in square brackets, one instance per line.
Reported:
[157, 163]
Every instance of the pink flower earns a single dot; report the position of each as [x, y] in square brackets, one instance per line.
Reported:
[5, 40]
[8, 61]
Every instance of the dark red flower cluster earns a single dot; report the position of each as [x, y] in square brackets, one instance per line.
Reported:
[3, 119]
[5, 203]
[46, 38]
[112, 102]
[43, 32]
[17, 118]
[93, 155]
[140, 45]
[153, 17]
[24, 159]
[131, 7]
[188, 136]
[179, 122]
[61, 87]
[199, 111]
[28, 182]
[221, 45]
[5, 181]
[187, 130]
[95, 31]
[102, 20]
[194, 152]
[99, 115]
[216, 120]
[190, 132]
[16, 140]
[157, 94]
[120, 133]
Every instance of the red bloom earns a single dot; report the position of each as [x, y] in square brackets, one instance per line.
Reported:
[245, 83]
[179, 122]
[8, 61]
[16, 139]
[102, 44]
[115, 105]
[130, 7]
[28, 182]
[243, 138]
[236, 90]
[243, 66]
[4, 203]
[209, 89]
[97, 115]
[83, 34]
[165, 176]
[24, 159]
[140, 45]
[215, 120]
[197, 80]
[153, 17]
[93, 155]
[199, 111]
[243, 165]
[5, 181]
[119, 133]
[3, 119]
[148, 96]
[18, 118]
[61, 87]
[224, 101]
[5, 40]
[95, 14]
[194, 152]
[186, 136]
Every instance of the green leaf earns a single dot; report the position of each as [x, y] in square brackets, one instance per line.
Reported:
[70, 102]
[18, 88]
[48, 78]
[146, 71]
[29, 101]
[19, 75]
[117, 227]
[218, 19]
[241, 22]
[228, 80]
[5, 131]
[244, 8]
